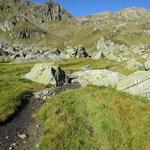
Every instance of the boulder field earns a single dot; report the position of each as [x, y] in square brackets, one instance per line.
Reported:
[20, 53]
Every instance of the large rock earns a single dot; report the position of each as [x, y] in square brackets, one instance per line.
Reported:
[108, 49]
[136, 84]
[120, 52]
[76, 52]
[97, 77]
[133, 64]
[147, 65]
[47, 73]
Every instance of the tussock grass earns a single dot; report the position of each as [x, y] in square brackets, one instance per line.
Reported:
[95, 118]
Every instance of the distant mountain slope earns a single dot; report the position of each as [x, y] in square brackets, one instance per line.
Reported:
[50, 25]
[130, 26]
[34, 12]
[125, 15]
[27, 22]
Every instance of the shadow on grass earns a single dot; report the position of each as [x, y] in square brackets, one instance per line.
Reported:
[25, 100]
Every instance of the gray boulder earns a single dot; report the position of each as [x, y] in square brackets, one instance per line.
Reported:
[47, 73]
[56, 51]
[108, 49]
[97, 77]
[133, 64]
[137, 83]
[76, 52]
[80, 51]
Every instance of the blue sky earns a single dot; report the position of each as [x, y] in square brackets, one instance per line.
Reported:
[87, 7]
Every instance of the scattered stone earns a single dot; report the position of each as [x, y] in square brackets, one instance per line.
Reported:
[21, 53]
[37, 126]
[14, 144]
[10, 148]
[22, 136]
[7, 137]
[44, 98]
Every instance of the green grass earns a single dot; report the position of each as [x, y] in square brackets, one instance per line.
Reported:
[12, 88]
[77, 64]
[95, 118]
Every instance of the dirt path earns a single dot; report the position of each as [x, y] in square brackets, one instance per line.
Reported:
[22, 132]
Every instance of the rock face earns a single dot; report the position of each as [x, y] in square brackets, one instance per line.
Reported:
[28, 33]
[120, 53]
[25, 19]
[109, 50]
[49, 11]
[47, 73]
[97, 77]
[133, 64]
[136, 84]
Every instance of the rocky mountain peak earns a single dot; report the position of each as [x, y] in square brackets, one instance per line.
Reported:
[133, 13]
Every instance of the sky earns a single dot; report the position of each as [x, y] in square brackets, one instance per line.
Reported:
[89, 7]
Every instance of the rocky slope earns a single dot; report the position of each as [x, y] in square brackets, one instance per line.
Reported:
[50, 25]
[21, 19]
[125, 15]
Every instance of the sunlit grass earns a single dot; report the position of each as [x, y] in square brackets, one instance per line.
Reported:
[95, 118]
[77, 64]
[12, 88]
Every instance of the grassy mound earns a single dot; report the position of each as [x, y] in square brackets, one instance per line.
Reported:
[95, 118]
[12, 87]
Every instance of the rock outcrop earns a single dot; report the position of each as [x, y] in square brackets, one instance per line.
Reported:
[76, 52]
[47, 73]
[107, 49]
[120, 52]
